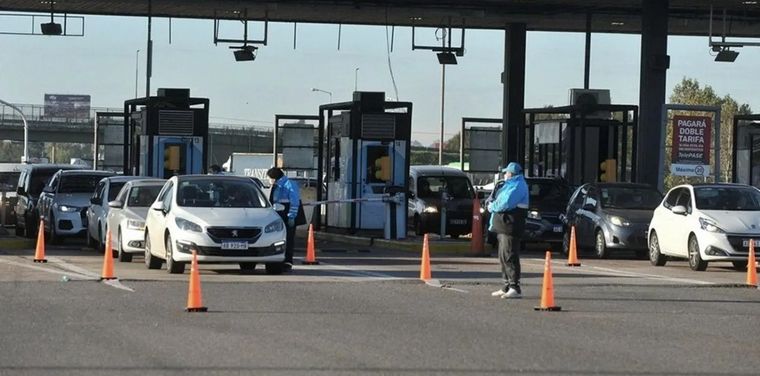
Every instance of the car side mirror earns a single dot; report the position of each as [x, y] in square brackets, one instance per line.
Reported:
[157, 206]
[680, 210]
[116, 204]
[589, 207]
[279, 207]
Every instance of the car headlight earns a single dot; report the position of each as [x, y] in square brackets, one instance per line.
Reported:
[709, 225]
[534, 214]
[67, 208]
[619, 221]
[276, 226]
[134, 224]
[431, 209]
[186, 225]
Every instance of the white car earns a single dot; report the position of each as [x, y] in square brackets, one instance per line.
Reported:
[225, 219]
[126, 217]
[703, 223]
[97, 212]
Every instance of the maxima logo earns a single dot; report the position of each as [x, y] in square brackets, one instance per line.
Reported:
[690, 170]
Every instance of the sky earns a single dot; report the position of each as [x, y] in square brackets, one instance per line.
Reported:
[280, 81]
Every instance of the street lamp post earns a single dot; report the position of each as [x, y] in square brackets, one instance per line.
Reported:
[323, 91]
[24, 157]
[356, 79]
[137, 63]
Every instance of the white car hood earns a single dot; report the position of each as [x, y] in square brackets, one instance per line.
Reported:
[137, 212]
[735, 221]
[228, 217]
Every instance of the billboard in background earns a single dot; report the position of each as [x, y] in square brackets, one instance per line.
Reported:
[691, 145]
[67, 106]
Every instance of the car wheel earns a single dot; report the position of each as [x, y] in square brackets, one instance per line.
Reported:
[151, 262]
[247, 267]
[52, 236]
[275, 267]
[600, 245]
[123, 255]
[740, 265]
[565, 243]
[655, 257]
[695, 259]
[173, 267]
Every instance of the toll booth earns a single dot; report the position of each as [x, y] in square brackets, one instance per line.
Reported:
[581, 143]
[166, 135]
[746, 150]
[366, 159]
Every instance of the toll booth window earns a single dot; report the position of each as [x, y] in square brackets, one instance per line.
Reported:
[79, 183]
[378, 164]
[455, 187]
[174, 160]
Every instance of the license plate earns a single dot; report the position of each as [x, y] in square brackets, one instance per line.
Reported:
[557, 228]
[745, 243]
[458, 221]
[234, 245]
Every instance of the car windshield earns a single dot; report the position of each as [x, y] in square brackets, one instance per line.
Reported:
[79, 183]
[8, 181]
[549, 192]
[455, 187]
[143, 197]
[113, 190]
[630, 198]
[727, 198]
[206, 193]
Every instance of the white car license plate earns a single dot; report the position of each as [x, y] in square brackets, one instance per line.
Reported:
[745, 243]
[234, 245]
[557, 228]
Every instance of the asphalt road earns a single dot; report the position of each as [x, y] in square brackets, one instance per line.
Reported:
[362, 311]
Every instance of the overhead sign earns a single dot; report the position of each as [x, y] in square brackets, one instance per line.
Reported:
[67, 106]
[691, 145]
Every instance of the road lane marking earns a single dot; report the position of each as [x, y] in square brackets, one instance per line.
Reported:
[598, 270]
[48, 270]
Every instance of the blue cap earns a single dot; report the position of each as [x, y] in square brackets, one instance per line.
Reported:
[513, 168]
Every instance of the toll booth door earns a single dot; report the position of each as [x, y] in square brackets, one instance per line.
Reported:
[177, 156]
[375, 173]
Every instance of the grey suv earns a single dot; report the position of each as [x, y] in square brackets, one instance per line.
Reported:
[33, 179]
[64, 202]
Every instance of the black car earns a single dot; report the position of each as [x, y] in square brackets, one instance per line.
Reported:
[611, 216]
[548, 200]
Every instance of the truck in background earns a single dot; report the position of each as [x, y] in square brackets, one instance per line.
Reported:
[249, 164]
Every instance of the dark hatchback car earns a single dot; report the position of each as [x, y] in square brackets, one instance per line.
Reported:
[611, 216]
[548, 200]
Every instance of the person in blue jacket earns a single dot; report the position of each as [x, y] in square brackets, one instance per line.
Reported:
[287, 193]
[508, 211]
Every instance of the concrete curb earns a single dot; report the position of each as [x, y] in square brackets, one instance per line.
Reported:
[16, 243]
[460, 248]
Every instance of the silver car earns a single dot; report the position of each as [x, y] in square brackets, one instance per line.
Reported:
[105, 191]
[126, 217]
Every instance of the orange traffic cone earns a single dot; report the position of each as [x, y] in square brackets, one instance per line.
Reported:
[572, 253]
[107, 272]
[425, 266]
[194, 299]
[547, 292]
[39, 253]
[751, 262]
[311, 258]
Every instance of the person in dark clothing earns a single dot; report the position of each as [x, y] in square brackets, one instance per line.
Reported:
[508, 212]
[286, 192]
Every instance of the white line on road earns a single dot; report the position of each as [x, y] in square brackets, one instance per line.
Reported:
[598, 270]
[48, 270]
[72, 271]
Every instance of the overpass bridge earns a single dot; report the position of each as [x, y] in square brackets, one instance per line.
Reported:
[224, 139]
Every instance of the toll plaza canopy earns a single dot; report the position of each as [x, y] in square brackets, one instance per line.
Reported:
[685, 17]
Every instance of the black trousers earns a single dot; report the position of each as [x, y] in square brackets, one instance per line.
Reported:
[290, 241]
[509, 258]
